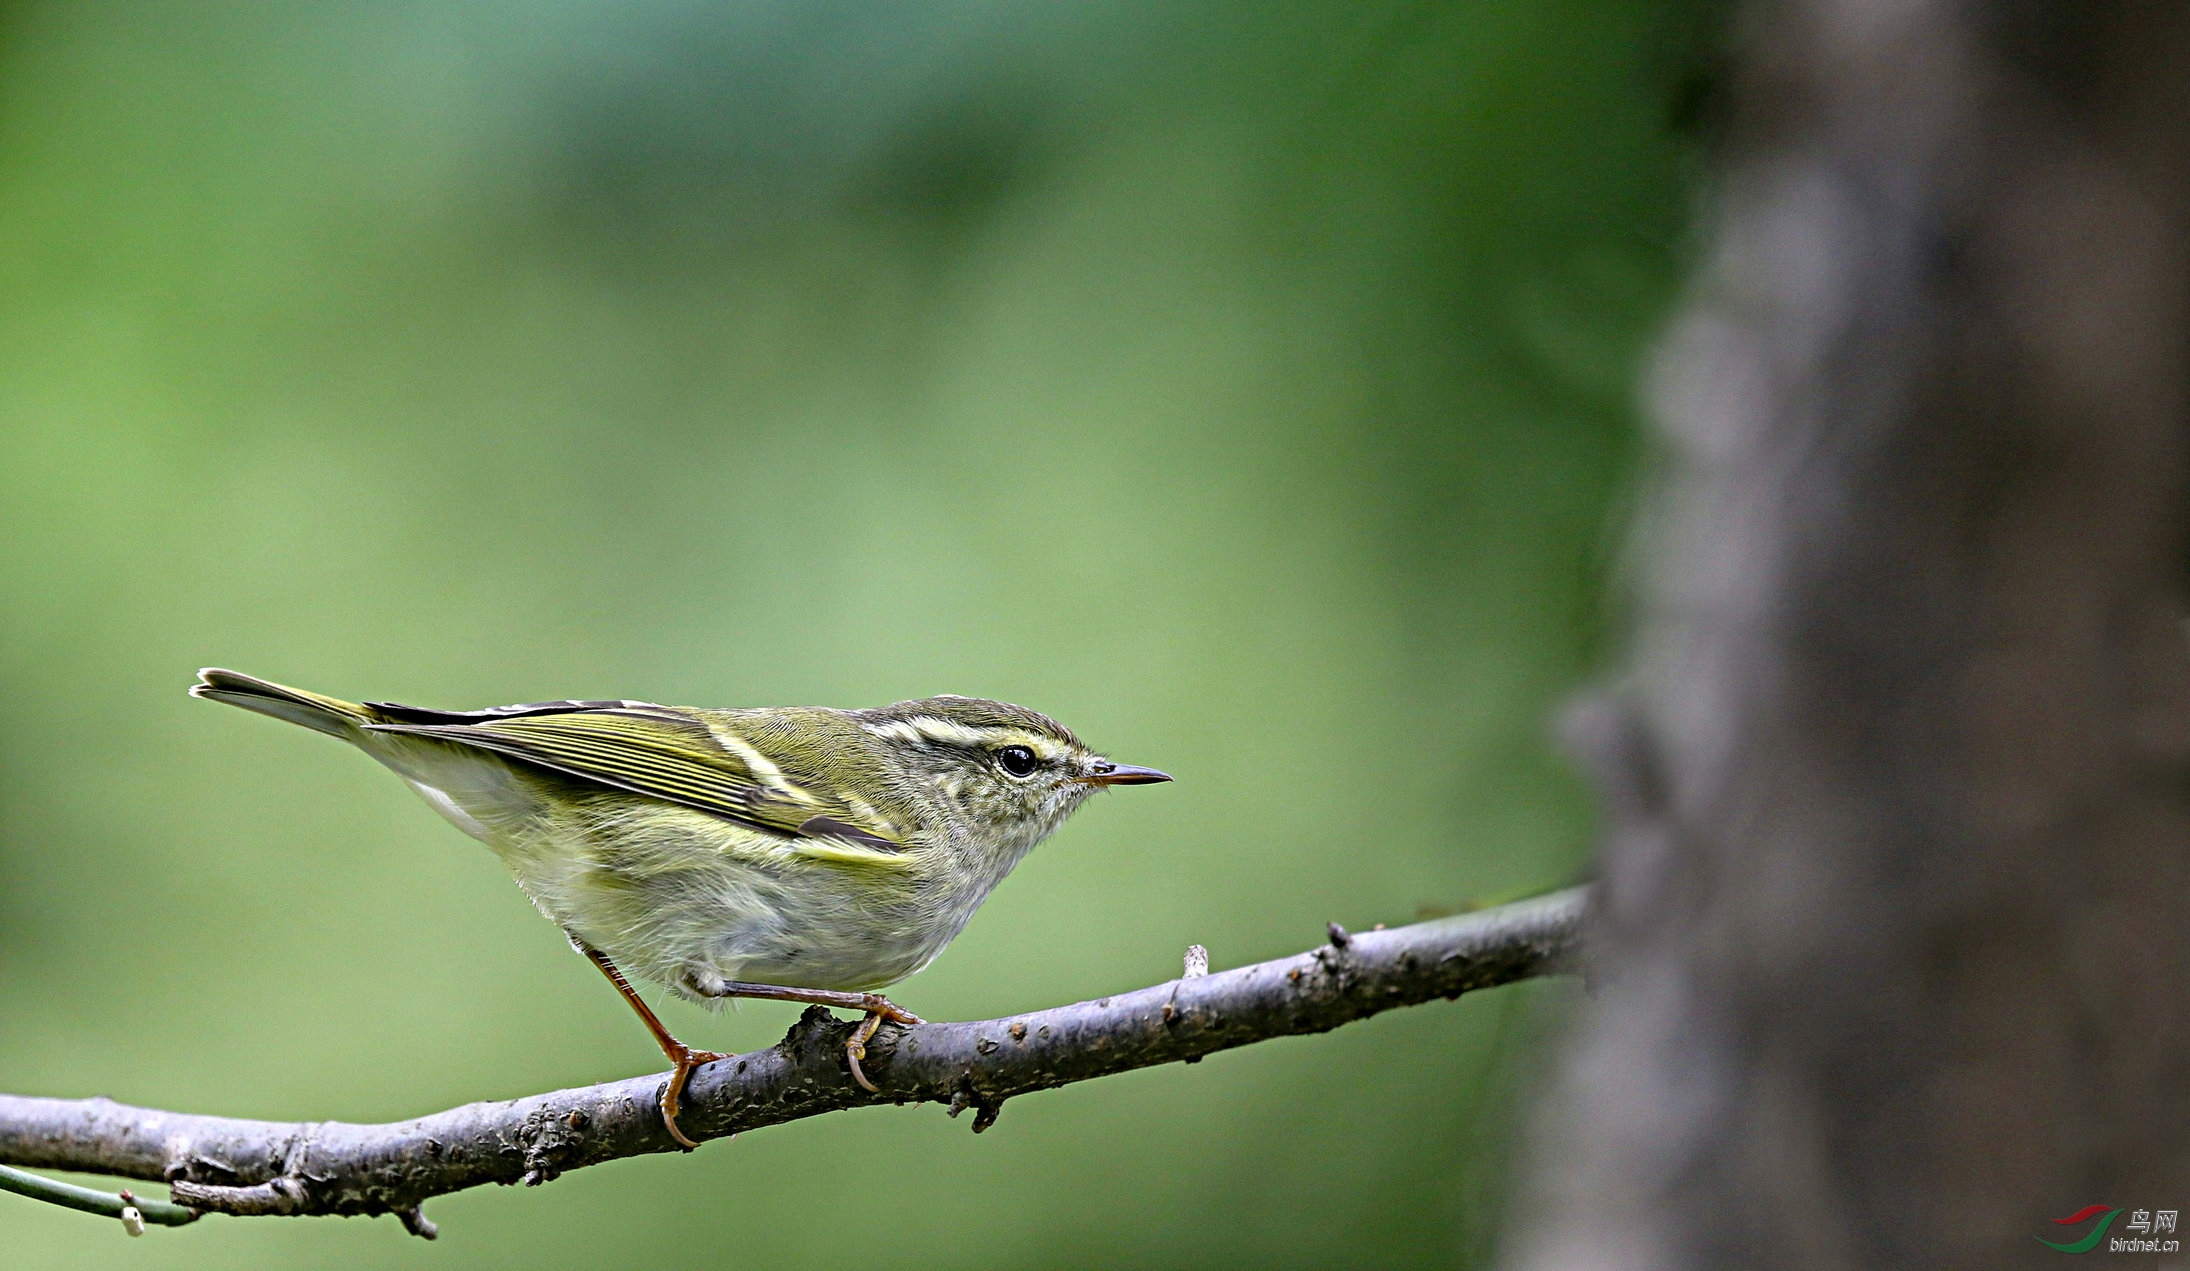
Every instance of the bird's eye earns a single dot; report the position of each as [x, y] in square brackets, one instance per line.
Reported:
[1017, 760]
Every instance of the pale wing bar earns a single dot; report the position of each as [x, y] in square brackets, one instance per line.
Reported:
[650, 751]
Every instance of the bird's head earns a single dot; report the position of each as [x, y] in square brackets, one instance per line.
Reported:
[1008, 774]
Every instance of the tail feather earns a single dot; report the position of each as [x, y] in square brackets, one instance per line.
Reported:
[330, 715]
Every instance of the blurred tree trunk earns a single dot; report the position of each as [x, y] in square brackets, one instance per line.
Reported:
[1896, 930]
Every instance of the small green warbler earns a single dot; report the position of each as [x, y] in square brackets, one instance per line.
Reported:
[796, 853]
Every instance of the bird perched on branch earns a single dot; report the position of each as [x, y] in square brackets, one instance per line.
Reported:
[796, 853]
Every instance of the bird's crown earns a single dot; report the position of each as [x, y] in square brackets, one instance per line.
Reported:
[971, 723]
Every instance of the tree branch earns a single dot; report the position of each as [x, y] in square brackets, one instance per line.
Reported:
[226, 1165]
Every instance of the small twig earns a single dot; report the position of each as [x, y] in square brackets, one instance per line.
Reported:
[276, 1196]
[227, 1165]
[90, 1201]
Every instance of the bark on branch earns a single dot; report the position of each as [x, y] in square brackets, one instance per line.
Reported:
[226, 1165]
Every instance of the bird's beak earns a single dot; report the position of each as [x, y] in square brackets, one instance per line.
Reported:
[1107, 773]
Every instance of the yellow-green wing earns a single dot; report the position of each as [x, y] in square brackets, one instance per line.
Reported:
[659, 752]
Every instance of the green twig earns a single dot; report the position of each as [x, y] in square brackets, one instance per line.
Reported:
[108, 1204]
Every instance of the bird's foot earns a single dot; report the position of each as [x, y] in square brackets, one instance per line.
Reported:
[686, 1059]
[878, 1008]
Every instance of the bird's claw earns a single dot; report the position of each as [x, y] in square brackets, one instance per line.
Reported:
[878, 1008]
[685, 1061]
[852, 1055]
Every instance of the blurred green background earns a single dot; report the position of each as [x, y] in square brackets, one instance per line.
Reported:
[1246, 385]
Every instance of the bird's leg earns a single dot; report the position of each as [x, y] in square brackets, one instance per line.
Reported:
[876, 1006]
[683, 1057]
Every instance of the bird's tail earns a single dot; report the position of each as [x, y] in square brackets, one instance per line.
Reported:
[329, 715]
